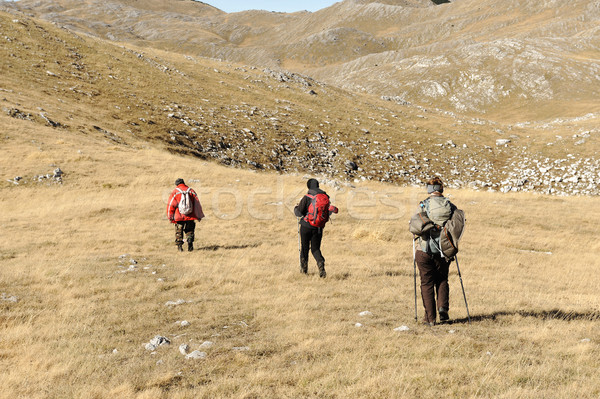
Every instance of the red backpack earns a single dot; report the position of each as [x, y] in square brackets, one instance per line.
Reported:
[318, 210]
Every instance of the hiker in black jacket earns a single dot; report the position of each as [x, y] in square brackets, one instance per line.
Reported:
[313, 210]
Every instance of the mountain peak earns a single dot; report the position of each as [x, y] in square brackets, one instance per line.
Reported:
[398, 3]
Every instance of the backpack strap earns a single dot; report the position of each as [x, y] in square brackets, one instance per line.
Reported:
[312, 198]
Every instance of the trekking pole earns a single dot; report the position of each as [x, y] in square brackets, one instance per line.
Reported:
[463, 289]
[415, 275]
[299, 245]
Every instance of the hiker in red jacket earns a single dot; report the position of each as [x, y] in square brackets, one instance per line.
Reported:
[183, 210]
[314, 210]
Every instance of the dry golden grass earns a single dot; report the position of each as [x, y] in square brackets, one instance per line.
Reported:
[534, 314]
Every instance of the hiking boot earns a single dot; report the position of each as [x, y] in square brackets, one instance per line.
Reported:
[304, 266]
[443, 314]
[321, 266]
[190, 246]
[180, 247]
[428, 323]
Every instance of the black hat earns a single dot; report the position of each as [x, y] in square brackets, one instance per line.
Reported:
[179, 181]
[312, 184]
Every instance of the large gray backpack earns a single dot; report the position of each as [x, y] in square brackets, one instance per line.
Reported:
[440, 225]
[438, 209]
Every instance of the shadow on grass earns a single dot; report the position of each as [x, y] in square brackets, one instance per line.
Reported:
[341, 276]
[227, 247]
[554, 314]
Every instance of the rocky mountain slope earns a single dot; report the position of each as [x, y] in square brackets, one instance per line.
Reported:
[515, 61]
[263, 118]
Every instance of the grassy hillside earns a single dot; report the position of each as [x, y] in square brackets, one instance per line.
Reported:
[235, 113]
[511, 61]
[76, 313]
[261, 119]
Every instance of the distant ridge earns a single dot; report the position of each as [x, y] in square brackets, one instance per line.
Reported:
[400, 3]
[511, 61]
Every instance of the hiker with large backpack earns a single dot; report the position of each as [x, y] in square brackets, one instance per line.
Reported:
[183, 210]
[437, 228]
[313, 212]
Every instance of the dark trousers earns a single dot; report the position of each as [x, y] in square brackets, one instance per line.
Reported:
[188, 227]
[311, 239]
[434, 278]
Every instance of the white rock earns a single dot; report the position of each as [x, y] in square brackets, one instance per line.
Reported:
[196, 355]
[402, 328]
[8, 298]
[157, 341]
[184, 349]
[365, 313]
[150, 347]
[502, 141]
[175, 303]
[358, 325]
[206, 344]
[240, 348]
[185, 323]
[585, 340]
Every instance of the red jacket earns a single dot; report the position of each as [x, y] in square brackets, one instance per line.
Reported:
[173, 206]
